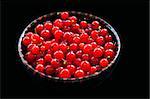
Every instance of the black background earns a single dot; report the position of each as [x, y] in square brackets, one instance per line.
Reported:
[129, 79]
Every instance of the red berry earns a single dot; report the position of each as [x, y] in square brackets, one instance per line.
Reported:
[35, 38]
[71, 68]
[73, 19]
[64, 15]
[94, 34]
[39, 28]
[49, 51]
[66, 29]
[48, 57]
[97, 52]
[42, 48]
[87, 48]
[49, 70]
[55, 63]
[94, 60]
[103, 32]
[47, 44]
[29, 57]
[85, 57]
[109, 53]
[63, 47]
[67, 23]
[84, 37]
[70, 56]
[54, 29]
[79, 53]
[39, 68]
[77, 61]
[73, 47]
[48, 25]
[103, 62]
[58, 34]
[35, 50]
[58, 23]
[79, 74]
[64, 73]
[59, 55]
[29, 34]
[54, 46]
[95, 24]
[83, 24]
[40, 61]
[100, 40]
[85, 66]
[45, 34]
[94, 45]
[109, 45]
[30, 46]
[59, 69]
[93, 70]
[75, 27]
[76, 40]
[81, 45]
[26, 41]
[108, 38]
[67, 36]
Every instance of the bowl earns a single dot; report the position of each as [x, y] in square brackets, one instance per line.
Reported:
[80, 16]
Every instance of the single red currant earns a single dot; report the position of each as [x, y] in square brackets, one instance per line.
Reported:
[42, 48]
[63, 47]
[59, 55]
[94, 45]
[77, 61]
[85, 66]
[35, 38]
[48, 57]
[83, 24]
[54, 46]
[81, 46]
[100, 40]
[39, 68]
[67, 23]
[64, 73]
[39, 28]
[93, 70]
[76, 40]
[71, 68]
[49, 70]
[108, 38]
[29, 34]
[58, 23]
[87, 48]
[29, 57]
[54, 28]
[85, 57]
[30, 46]
[64, 15]
[40, 61]
[103, 62]
[79, 73]
[84, 37]
[94, 61]
[45, 34]
[55, 63]
[70, 56]
[94, 34]
[35, 50]
[79, 53]
[109, 53]
[97, 52]
[73, 47]
[48, 25]
[73, 19]
[26, 41]
[103, 32]
[59, 69]
[109, 45]
[58, 34]
[95, 24]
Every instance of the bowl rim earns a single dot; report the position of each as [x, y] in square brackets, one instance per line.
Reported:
[107, 25]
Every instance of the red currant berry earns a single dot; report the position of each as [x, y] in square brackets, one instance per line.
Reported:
[100, 40]
[39, 28]
[70, 56]
[79, 74]
[48, 25]
[109, 45]
[29, 57]
[94, 60]
[85, 57]
[66, 23]
[35, 38]
[95, 24]
[67, 36]
[54, 46]
[59, 55]
[42, 48]
[63, 47]
[45, 34]
[49, 70]
[35, 50]
[97, 52]
[64, 15]
[87, 48]
[73, 47]
[54, 29]
[76, 40]
[73, 19]
[39, 68]
[75, 27]
[85, 66]
[94, 34]
[108, 38]
[103, 62]
[30, 46]
[94, 45]
[58, 23]
[109, 53]
[77, 61]
[83, 24]
[71, 68]
[79, 53]
[55, 63]
[64, 73]
[26, 41]
[93, 70]
[40, 61]
[59, 69]
[29, 34]
[84, 37]
[58, 34]
[103, 32]
[48, 57]
[47, 44]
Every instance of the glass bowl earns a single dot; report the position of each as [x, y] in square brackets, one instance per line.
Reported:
[81, 16]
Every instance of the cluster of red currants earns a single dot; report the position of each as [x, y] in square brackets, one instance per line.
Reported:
[69, 48]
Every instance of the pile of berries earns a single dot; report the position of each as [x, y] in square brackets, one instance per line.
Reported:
[69, 47]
